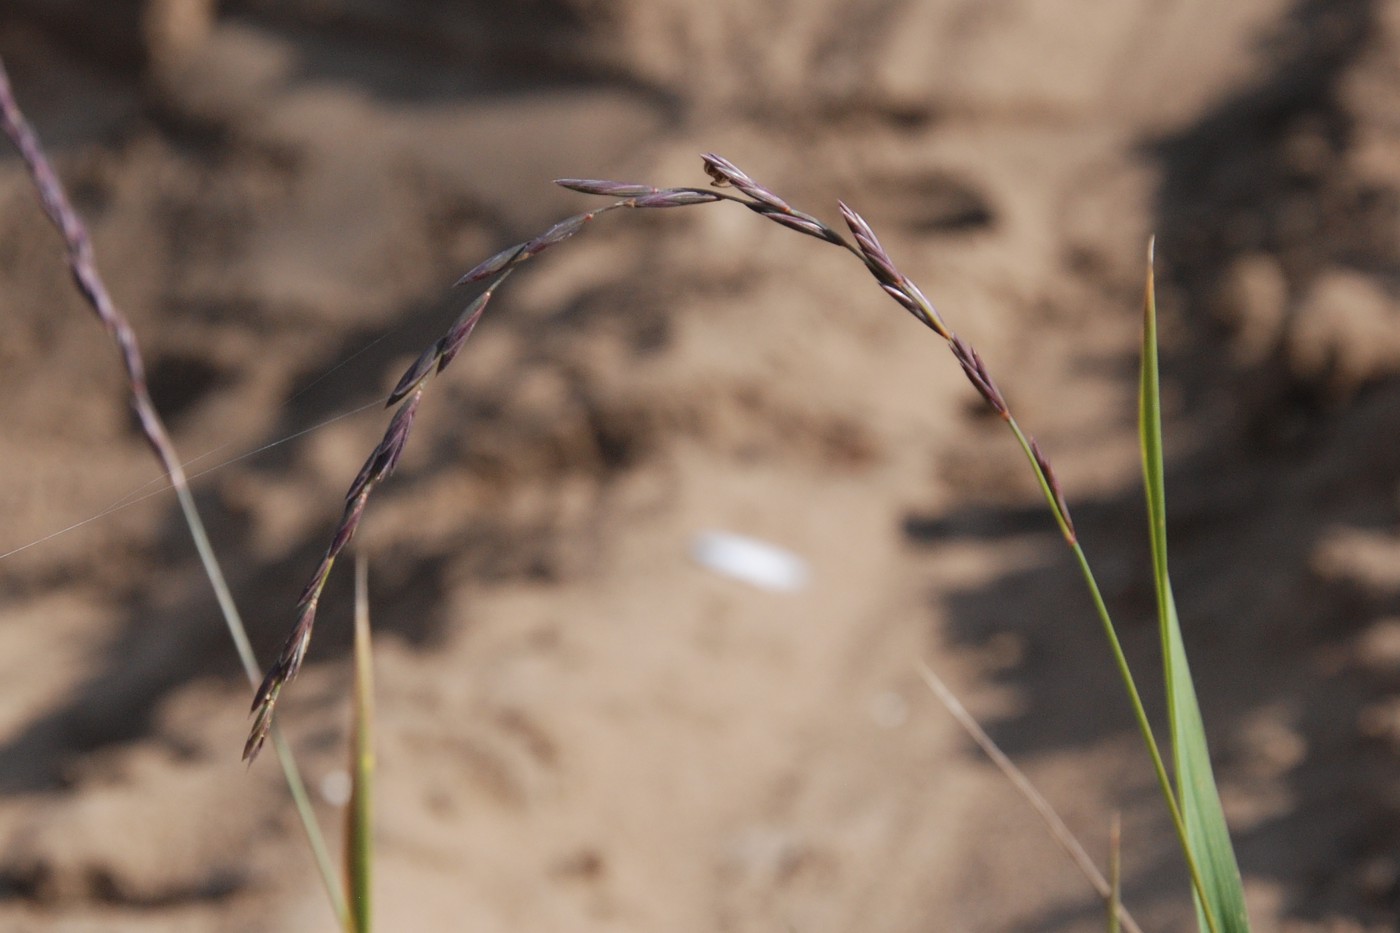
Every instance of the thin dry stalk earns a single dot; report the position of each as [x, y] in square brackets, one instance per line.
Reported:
[1061, 833]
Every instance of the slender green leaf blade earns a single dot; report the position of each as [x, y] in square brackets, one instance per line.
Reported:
[1207, 834]
[359, 815]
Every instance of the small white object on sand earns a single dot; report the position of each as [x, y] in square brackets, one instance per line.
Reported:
[750, 560]
[336, 788]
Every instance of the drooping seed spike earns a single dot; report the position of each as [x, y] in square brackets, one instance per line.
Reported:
[1053, 483]
[608, 189]
[977, 374]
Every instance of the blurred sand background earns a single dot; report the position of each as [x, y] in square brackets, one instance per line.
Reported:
[580, 728]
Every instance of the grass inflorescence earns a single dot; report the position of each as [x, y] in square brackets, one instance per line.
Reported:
[1192, 802]
[1192, 799]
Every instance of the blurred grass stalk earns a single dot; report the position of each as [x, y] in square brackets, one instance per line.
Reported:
[78, 245]
[1115, 872]
[359, 815]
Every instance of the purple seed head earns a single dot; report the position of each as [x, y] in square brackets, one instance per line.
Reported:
[294, 652]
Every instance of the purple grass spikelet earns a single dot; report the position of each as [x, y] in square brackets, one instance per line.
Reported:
[802, 224]
[977, 374]
[726, 173]
[286, 667]
[396, 437]
[555, 235]
[894, 282]
[608, 189]
[311, 585]
[415, 374]
[490, 267]
[462, 328]
[675, 197]
[879, 261]
[1053, 483]
[898, 293]
[349, 523]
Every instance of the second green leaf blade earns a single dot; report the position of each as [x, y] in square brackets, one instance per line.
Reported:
[1207, 835]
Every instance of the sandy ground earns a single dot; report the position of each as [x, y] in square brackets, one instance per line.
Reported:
[580, 728]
